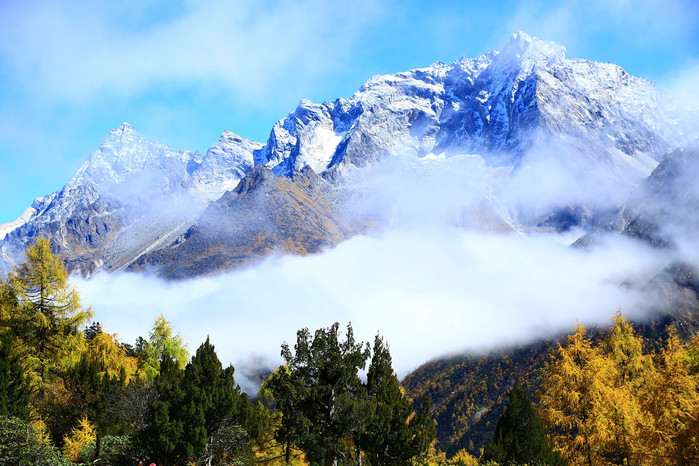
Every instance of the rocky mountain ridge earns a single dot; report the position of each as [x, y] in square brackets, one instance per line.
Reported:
[134, 197]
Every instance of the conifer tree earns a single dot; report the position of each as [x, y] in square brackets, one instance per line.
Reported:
[161, 342]
[15, 392]
[619, 407]
[199, 414]
[41, 313]
[392, 434]
[519, 436]
[214, 412]
[670, 399]
[164, 426]
[576, 380]
[104, 369]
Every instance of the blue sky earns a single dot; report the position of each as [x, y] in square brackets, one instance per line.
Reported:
[182, 72]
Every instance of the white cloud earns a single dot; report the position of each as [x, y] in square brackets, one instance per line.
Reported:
[680, 87]
[73, 51]
[433, 282]
[428, 291]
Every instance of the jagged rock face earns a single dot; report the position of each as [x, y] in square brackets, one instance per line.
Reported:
[663, 213]
[134, 197]
[129, 196]
[496, 103]
[664, 208]
[263, 214]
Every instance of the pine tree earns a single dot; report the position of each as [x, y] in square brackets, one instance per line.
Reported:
[199, 414]
[392, 434]
[15, 392]
[214, 412]
[164, 426]
[519, 436]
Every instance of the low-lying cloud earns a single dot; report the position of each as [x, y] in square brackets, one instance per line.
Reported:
[429, 291]
[431, 279]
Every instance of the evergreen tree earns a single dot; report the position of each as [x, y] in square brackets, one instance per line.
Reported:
[15, 392]
[519, 436]
[319, 393]
[423, 427]
[199, 414]
[164, 426]
[214, 413]
[101, 372]
[92, 330]
[392, 434]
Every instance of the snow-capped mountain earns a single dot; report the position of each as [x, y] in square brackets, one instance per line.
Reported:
[523, 110]
[495, 104]
[129, 196]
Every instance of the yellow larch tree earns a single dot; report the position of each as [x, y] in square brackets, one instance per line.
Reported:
[669, 432]
[578, 378]
[619, 411]
[113, 360]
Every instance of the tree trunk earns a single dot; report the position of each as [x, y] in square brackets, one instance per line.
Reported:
[98, 443]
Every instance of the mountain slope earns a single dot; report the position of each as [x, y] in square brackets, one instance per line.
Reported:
[129, 195]
[263, 214]
[569, 139]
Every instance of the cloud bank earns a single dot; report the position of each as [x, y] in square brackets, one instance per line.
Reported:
[432, 280]
[429, 291]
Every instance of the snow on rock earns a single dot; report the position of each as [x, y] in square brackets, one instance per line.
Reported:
[129, 193]
[526, 108]
[495, 103]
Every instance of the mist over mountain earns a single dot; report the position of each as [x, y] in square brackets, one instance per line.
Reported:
[436, 204]
[559, 143]
[456, 188]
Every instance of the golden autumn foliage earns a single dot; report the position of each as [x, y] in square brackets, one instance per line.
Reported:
[619, 402]
[267, 450]
[462, 458]
[669, 430]
[41, 314]
[79, 437]
[112, 359]
[576, 383]
[432, 457]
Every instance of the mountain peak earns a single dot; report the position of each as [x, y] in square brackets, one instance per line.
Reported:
[522, 37]
[123, 128]
[122, 133]
[525, 51]
[230, 136]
